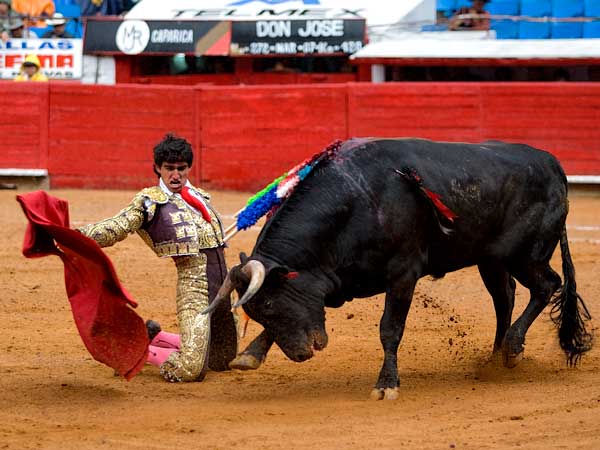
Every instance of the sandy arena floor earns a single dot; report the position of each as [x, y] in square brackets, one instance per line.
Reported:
[53, 395]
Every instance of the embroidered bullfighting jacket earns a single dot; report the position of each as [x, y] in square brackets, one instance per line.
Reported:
[172, 228]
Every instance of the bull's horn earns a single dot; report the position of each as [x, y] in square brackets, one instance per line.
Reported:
[226, 288]
[256, 271]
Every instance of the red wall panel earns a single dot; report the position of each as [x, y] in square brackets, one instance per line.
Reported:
[245, 136]
[251, 135]
[439, 111]
[24, 125]
[102, 136]
[561, 118]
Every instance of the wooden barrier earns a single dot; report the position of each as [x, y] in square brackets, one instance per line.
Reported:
[102, 136]
[561, 118]
[245, 136]
[251, 135]
[24, 125]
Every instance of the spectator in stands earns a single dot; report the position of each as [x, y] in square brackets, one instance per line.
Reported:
[7, 16]
[30, 70]
[101, 7]
[34, 11]
[18, 31]
[58, 23]
[479, 20]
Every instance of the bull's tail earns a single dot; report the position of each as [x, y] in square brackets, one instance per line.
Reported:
[569, 312]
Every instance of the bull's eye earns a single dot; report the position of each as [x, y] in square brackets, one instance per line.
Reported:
[268, 303]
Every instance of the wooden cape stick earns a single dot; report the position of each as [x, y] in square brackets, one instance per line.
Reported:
[230, 235]
[228, 231]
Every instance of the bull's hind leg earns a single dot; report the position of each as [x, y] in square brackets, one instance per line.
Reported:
[501, 287]
[542, 283]
[397, 303]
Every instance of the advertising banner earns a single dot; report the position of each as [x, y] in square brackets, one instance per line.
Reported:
[60, 58]
[291, 37]
[383, 18]
[133, 37]
[376, 12]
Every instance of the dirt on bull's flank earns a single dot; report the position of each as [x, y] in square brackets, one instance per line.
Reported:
[53, 395]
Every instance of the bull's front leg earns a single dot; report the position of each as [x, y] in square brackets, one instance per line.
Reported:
[255, 354]
[391, 328]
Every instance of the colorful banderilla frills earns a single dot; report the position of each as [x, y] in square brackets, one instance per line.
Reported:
[269, 198]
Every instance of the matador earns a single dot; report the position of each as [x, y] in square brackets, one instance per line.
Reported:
[177, 220]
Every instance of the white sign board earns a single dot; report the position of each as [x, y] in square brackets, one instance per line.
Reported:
[60, 58]
[448, 45]
[376, 12]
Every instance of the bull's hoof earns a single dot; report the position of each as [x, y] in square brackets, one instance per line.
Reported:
[512, 359]
[245, 361]
[385, 394]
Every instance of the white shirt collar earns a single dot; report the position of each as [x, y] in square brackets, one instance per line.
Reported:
[166, 190]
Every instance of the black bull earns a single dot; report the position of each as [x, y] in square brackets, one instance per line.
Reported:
[359, 226]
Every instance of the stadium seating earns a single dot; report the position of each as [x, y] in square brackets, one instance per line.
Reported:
[505, 29]
[591, 8]
[509, 29]
[463, 3]
[535, 30]
[446, 7]
[567, 8]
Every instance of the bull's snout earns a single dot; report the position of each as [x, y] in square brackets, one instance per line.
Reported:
[318, 339]
[315, 341]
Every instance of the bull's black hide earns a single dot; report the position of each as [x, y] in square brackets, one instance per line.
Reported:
[359, 226]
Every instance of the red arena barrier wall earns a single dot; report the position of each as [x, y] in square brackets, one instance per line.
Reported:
[24, 125]
[102, 136]
[561, 118]
[251, 135]
[245, 136]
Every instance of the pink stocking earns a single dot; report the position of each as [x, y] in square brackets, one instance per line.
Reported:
[158, 355]
[167, 340]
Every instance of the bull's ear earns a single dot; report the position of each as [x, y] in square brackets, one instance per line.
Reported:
[243, 258]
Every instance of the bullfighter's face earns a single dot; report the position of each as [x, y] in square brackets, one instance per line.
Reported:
[174, 175]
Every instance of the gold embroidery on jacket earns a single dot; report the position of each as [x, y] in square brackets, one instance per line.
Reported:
[177, 217]
[108, 232]
[188, 364]
[143, 209]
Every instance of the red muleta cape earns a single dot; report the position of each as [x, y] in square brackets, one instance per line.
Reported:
[112, 332]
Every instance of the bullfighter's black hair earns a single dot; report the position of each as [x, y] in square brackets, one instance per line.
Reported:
[173, 149]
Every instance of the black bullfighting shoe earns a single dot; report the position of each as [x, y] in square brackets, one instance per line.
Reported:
[153, 328]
